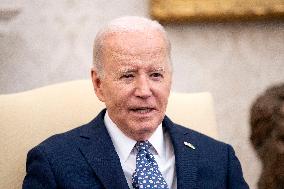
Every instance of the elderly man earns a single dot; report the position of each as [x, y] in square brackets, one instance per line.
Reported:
[132, 144]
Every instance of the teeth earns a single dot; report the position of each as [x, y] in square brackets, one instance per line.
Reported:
[142, 110]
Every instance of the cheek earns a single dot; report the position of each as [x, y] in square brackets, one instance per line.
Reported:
[163, 94]
[117, 97]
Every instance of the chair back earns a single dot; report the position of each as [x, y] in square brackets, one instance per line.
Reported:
[27, 118]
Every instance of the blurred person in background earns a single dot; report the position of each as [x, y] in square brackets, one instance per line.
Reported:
[267, 136]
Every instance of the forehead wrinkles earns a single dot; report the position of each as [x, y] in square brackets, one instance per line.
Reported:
[147, 55]
[137, 37]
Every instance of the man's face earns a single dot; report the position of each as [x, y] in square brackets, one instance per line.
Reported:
[136, 81]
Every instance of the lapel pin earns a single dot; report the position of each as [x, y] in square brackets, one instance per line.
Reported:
[189, 145]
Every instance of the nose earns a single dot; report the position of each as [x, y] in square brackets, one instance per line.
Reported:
[143, 88]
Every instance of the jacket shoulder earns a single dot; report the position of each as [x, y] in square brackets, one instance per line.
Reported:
[203, 142]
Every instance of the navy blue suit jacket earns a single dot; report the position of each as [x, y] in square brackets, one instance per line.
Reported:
[86, 158]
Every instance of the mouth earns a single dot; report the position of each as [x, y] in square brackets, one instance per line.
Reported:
[142, 110]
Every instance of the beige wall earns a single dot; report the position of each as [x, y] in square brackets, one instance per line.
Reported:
[51, 41]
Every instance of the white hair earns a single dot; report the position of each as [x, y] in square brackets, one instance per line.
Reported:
[125, 24]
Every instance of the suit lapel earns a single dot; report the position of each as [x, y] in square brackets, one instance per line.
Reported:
[185, 156]
[96, 146]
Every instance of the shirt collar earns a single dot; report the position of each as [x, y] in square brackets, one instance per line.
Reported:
[124, 144]
[157, 141]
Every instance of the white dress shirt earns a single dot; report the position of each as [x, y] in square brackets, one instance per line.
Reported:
[162, 150]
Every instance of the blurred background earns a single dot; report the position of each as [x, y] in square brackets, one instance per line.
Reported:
[45, 42]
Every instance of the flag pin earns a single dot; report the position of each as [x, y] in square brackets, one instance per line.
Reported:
[189, 145]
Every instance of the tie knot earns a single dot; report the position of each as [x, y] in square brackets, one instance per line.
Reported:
[143, 145]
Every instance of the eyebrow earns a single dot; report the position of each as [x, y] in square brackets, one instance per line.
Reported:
[159, 69]
[131, 70]
[126, 70]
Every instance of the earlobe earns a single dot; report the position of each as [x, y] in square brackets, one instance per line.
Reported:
[97, 84]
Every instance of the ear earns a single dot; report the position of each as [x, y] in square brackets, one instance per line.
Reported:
[97, 84]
